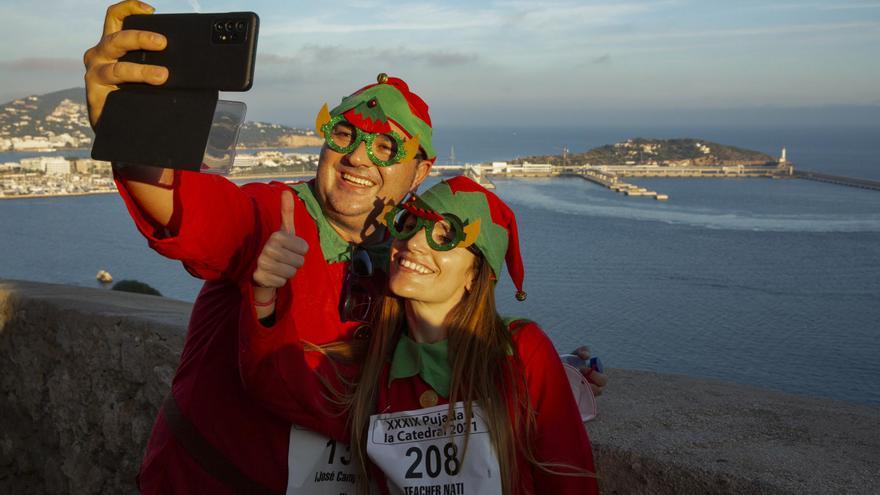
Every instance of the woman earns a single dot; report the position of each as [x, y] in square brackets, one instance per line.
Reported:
[449, 398]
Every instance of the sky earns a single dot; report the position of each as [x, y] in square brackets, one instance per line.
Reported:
[496, 62]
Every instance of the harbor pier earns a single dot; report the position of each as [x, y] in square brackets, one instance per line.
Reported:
[611, 176]
[836, 179]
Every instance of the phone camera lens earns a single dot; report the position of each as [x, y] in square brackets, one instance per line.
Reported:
[230, 26]
[240, 26]
[218, 26]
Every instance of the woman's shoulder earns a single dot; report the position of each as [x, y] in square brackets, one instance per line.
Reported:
[516, 324]
[529, 339]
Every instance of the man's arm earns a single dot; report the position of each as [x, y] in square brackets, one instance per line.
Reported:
[210, 224]
[148, 186]
[295, 384]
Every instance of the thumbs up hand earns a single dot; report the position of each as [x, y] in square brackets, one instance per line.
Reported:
[283, 254]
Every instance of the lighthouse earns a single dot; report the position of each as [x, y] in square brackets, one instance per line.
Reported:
[782, 156]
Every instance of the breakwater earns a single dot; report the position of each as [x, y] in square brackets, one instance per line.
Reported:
[617, 185]
[839, 180]
[611, 176]
[83, 371]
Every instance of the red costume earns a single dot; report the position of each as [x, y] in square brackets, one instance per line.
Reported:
[279, 371]
[410, 425]
[217, 231]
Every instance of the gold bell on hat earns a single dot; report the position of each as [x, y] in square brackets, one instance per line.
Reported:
[382, 78]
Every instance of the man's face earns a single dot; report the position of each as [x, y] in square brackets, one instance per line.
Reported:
[351, 188]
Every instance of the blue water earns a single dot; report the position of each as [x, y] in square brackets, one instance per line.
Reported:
[715, 283]
[774, 283]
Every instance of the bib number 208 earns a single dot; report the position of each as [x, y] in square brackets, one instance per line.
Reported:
[434, 462]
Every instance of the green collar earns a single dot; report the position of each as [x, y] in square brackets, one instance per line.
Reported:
[429, 361]
[334, 248]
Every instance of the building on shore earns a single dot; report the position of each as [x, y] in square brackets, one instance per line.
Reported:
[52, 165]
[90, 166]
[245, 161]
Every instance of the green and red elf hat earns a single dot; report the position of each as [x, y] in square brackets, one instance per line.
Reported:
[498, 237]
[374, 107]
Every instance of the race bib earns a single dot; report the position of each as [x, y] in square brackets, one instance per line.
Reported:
[317, 465]
[421, 452]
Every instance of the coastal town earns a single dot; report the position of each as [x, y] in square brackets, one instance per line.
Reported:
[57, 175]
[45, 142]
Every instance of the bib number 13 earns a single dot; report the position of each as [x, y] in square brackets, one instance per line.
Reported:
[430, 461]
[345, 461]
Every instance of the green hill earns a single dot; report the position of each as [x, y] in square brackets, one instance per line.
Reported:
[65, 112]
[641, 151]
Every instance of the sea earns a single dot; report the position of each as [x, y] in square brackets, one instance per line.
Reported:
[771, 283]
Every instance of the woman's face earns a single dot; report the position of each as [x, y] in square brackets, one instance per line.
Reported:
[421, 274]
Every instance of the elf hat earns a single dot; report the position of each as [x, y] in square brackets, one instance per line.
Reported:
[498, 238]
[374, 107]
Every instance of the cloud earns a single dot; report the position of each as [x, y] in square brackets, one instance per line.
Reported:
[563, 15]
[603, 60]
[275, 59]
[404, 18]
[555, 16]
[819, 6]
[444, 59]
[850, 6]
[343, 55]
[777, 30]
[43, 64]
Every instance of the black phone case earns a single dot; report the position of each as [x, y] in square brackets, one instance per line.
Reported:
[202, 52]
[158, 127]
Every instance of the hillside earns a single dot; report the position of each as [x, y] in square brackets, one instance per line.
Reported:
[60, 120]
[264, 135]
[671, 152]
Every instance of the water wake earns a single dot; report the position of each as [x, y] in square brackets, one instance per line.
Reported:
[708, 218]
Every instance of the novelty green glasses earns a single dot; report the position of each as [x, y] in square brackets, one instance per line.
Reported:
[441, 236]
[383, 149]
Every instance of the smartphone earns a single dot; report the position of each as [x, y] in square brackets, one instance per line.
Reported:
[145, 125]
[204, 51]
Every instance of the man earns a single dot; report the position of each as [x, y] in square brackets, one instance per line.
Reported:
[210, 436]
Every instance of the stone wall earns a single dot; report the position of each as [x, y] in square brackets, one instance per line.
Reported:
[83, 372]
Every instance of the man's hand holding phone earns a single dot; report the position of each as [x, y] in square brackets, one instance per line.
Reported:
[104, 71]
[153, 82]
